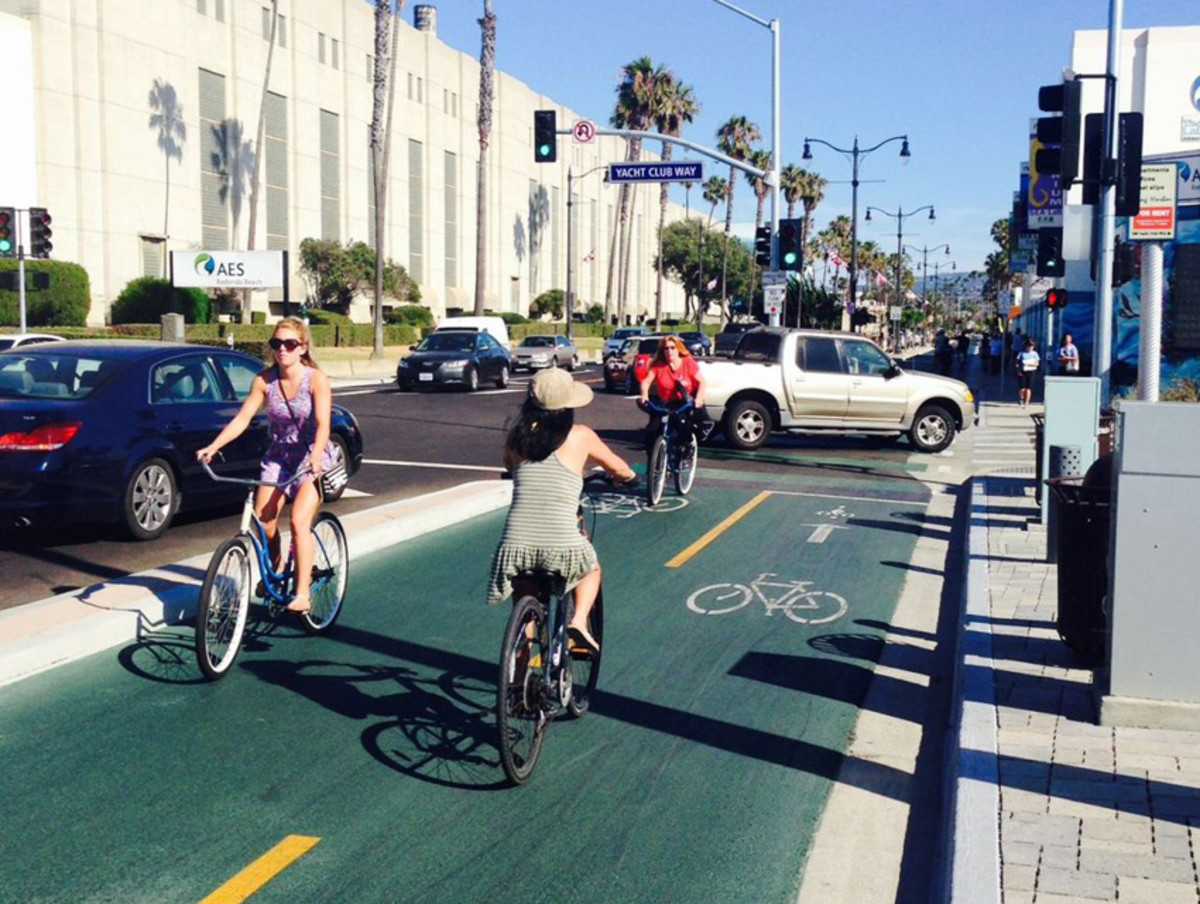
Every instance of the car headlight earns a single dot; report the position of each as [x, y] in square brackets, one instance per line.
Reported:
[457, 362]
[404, 362]
[970, 396]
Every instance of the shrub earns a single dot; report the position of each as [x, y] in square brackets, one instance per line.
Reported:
[146, 299]
[549, 304]
[326, 317]
[414, 315]
[65, 303]
[1181, 389]
[511, 317]
[595, 313]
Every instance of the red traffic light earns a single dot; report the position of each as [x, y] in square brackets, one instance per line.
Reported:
[1056, 298]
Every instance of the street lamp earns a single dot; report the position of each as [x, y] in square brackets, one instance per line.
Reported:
[899, 216]
[953, 265]
[925, 263]
[571, 243]
[855, 153]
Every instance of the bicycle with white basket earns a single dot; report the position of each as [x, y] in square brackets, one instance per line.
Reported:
[798, 600]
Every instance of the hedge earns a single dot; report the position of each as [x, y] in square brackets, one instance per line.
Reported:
[147, 298]
[65, 303]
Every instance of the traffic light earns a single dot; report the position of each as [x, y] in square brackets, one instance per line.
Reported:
[39, 232]
[1049, 252]
[762, 246]
[790, 251]
[1056, 299]
[8, 228]
[1127, 263]
[1062, 133]
[1129, 164]
[545, 139]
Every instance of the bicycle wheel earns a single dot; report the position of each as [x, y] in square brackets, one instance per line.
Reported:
[685, 474]
[331, 572]
[223, 607]
[656, 471]
[585, 668]
[719, 599]
[824, 606]
[520, 693]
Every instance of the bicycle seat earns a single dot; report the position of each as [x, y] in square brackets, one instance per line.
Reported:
[538, 583]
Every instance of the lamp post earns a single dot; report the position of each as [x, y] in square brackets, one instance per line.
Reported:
[899, 216]
[772, 175]
[925, 263]
[953, 265]
[571, 243]
[855, 153]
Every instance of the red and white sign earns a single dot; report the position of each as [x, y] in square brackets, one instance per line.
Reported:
[1155, 219]
[583, 131]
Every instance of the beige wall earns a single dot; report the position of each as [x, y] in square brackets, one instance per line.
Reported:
[101, 174]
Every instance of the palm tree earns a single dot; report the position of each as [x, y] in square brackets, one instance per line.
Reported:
[638, 94]
[382, 77]
[167, 118]
[260, 134]
[812, 193]
[714, 194]
[676, 106]
[487, 74]
[791, 183]
[760, 159]
[733, 139]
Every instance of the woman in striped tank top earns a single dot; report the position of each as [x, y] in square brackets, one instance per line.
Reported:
[547, 452]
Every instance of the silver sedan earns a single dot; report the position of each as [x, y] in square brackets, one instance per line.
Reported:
[536, 352]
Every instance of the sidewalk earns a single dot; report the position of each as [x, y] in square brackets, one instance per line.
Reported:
[1051, 807]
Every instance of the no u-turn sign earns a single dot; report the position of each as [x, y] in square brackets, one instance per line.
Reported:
[583, 131]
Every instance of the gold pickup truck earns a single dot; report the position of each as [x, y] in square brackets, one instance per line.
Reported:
[811, 380]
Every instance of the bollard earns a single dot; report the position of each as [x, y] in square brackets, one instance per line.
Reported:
[1065, 461]
[173, 328]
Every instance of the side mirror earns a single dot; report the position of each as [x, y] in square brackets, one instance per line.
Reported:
[893, 371]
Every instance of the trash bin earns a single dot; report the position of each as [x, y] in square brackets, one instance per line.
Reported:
[1083, 516]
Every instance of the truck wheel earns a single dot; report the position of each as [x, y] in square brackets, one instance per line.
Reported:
[933, 429]
[747, 424]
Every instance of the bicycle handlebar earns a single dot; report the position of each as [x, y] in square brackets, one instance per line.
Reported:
[245, 481]
[655, 408]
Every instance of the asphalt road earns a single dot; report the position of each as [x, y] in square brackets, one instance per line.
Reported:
[414, 443]
[364, 764]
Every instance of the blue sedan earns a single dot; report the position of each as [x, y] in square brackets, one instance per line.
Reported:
[107, 431]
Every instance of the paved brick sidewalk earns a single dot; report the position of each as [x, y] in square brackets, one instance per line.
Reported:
[1084, 813]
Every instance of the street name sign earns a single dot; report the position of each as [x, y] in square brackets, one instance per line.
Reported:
[774, 278]
[669, 171]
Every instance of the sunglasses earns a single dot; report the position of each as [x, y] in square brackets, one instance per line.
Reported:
[290, 344]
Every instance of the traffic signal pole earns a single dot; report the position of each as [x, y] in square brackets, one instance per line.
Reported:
[1102, 325]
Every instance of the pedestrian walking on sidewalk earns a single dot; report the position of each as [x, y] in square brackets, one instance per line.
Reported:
[996, 344]
[1028, 363]
[1068, 357]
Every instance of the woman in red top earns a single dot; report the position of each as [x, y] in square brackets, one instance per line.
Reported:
[676, 377]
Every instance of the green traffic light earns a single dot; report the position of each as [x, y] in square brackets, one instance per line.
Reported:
[544, 150]
[5, 246]
[789, 258]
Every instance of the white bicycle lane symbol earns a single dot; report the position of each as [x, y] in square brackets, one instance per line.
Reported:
[797, 599]
[620, 505]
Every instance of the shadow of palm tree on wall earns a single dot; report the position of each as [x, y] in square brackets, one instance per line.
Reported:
[233, 160]
[167, 120]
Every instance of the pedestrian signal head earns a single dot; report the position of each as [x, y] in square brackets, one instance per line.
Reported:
[1056, 298]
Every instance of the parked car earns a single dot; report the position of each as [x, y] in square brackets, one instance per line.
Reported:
[19, 340]
[625, 370]
[106, 431]
[614, 342]
[465, 357]
[536, 352]
[811, 380]
[697, 343]
[727, 340]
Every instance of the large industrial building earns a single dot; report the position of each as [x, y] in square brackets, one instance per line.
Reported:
[134, 123]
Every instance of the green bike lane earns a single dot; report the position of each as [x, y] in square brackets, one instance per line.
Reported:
[699, 774]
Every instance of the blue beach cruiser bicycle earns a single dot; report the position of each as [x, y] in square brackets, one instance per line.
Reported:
[225, 595]
[674, 451]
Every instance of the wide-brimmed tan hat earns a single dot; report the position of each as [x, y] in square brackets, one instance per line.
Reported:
[556, 389]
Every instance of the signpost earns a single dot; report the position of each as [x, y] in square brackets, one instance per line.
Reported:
[657, 171]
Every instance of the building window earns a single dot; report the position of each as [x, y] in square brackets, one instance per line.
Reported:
[420, 90]
[152, 257]
[281, 33]
[219, 10]
[201, 7]
[276, 177]
[451, 219]
[320, 47]
[333, 53]
[266, 20]
[330, 178]
[214, 210]
[410, 86]
[446, 101]
[553, 213]
[280, 28]
[416, 218]
[370, 67]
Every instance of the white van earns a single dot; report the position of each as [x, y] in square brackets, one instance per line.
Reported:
[494, 326]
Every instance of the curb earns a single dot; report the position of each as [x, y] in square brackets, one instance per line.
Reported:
[973, 777]
[61, 629]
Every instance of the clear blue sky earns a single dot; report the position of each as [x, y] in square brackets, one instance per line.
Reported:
[960, 77]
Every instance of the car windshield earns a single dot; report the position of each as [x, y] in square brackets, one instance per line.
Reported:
[623, 334]
[649, 346]
[692, 337]
[537, 342]
[46, 376]
[447, 342]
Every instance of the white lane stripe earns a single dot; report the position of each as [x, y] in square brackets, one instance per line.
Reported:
[432, 464]
[852, 498]
[351, 493]
[342, 395]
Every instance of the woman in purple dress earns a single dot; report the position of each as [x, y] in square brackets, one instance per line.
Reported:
[298, 399]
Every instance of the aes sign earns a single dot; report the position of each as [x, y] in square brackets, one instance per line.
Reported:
[227, 269]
